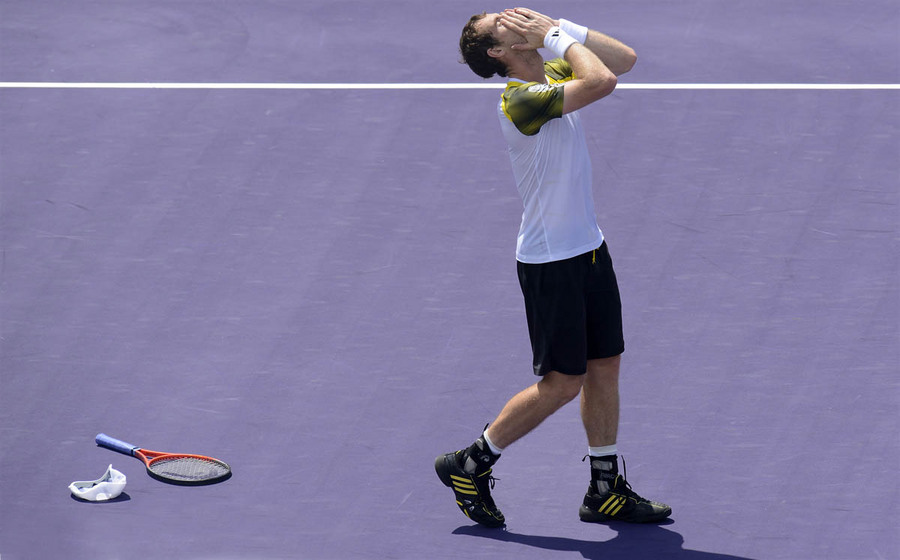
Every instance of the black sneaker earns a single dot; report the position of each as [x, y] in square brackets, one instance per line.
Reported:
[620, 503]
[473, 491]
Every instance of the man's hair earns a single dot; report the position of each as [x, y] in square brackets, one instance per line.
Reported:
[474, 47]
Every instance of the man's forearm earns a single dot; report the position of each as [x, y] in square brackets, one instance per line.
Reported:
[617, 56]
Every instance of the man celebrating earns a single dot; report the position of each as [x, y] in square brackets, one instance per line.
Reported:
[571, 296]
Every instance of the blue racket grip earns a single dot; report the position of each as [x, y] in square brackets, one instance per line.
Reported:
[115, 444]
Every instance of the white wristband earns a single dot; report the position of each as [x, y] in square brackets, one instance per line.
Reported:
[558, 41]
[579, 32]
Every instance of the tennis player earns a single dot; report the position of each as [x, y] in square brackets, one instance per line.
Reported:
[571, 297]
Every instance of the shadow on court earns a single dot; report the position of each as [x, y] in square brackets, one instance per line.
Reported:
[632, 541]
[123, 497]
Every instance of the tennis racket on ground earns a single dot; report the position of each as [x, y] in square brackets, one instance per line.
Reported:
[174, 468]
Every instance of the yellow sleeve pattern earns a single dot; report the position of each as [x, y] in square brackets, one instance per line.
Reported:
[530, 105]
[558, 70]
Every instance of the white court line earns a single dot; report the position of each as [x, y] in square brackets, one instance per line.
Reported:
[413, 86]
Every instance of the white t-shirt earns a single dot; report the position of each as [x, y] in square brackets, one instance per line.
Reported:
[552, 169]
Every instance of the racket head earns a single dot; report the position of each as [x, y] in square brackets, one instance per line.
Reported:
[184, 469]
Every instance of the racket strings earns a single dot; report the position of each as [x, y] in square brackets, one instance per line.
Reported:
[189, 469]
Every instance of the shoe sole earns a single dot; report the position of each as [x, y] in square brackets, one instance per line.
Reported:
[590, 516]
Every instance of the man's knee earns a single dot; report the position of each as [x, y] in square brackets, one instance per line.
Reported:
[564, 388]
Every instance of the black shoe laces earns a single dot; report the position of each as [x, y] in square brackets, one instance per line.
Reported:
[491, 480]
[485, 483]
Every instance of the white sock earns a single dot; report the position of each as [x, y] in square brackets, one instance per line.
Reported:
[494, 449]
[602, 451]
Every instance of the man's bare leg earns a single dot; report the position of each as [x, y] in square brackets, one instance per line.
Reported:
[600, 401]
[527, 409]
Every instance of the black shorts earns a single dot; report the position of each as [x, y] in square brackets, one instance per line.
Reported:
[574, 311]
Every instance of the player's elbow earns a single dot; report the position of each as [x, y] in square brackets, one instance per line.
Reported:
[628, 61]
[602, 84]
[591, 87]
[610, 83]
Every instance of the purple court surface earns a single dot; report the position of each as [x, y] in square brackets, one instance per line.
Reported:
[318, 285]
